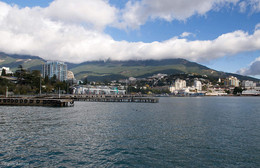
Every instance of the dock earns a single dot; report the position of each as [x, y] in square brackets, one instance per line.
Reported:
[32, 101]
[115, 98]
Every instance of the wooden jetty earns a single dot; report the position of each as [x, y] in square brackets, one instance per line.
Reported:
[115, 98]
[33, 101]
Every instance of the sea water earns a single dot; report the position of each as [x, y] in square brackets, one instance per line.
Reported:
[176, 132]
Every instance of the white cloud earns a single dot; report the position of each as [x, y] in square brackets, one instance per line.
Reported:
[97, 13]
[243, 6]
[253, 5]
[4, 9]
[137, 13]
[36, 31]
[187, 34]
[253, 69]
[257, 27]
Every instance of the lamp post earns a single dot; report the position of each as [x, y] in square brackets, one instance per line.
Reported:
[40, 86]
[6, 93]
[59, 92]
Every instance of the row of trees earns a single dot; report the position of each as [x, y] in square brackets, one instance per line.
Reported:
[30, 82]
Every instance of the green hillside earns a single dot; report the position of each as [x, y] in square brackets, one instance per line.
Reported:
[115, 70]
[13, 61]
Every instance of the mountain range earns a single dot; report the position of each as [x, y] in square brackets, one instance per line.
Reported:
[115, 70]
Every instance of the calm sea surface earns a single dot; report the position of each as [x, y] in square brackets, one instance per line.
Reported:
[176, 132]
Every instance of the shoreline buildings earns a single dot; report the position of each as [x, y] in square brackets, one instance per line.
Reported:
[51, 68]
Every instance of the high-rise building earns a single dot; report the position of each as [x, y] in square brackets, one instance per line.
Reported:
[232, 81]
[198, 85]
[51, 68]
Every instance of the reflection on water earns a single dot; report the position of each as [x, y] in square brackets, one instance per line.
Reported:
[176, 132]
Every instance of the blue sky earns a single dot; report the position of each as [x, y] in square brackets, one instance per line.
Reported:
[29, 3]
[223, 35]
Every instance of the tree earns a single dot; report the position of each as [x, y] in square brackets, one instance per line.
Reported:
[46, 80]
[3, 72]
[85, 82]
[204, 87]
[237, 90]
[36, 80]
[227, 91]
[20, 67]
[20, 74]
[53, 79]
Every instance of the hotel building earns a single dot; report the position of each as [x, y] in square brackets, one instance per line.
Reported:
[51, 68]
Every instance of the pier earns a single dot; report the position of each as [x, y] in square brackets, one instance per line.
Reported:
[68, 100]
[115, 98]
[32, 101]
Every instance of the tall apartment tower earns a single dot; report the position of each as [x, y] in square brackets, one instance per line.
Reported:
[51, 68]
[232, 81]
[198, 85]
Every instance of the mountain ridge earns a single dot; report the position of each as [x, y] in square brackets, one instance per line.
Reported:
[115, 70]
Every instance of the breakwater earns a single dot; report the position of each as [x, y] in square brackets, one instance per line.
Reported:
[32, 101]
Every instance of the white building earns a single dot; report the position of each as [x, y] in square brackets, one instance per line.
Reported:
[251, 92]
[98, 90]
[172, 89]
[132, 79]
[198, 85]
[159, 76]
[180, 84]
[7, 70]
[216, 93]
[248, 84]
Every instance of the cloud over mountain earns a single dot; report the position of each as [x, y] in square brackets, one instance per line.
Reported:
[253, 69]
[73, 31]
